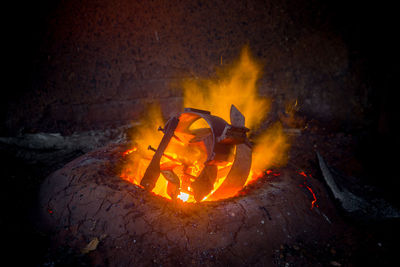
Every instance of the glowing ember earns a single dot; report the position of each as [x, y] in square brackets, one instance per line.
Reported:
[302, 173]
[271, 172]
[129, 151]
[182, 164]
[314, 201]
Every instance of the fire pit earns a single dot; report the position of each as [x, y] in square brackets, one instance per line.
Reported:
[89, 207]
[205, 195]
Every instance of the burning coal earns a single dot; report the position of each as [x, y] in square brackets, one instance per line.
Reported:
[198, 156]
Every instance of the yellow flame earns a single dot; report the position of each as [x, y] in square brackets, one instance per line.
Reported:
[237, 85]
[144, 135]
[270, 149]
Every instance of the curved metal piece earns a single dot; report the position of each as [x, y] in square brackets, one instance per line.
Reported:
[220, 140]
[204, 183]
[240, 169]
[237, 176]
[216, 152]
[152, 173]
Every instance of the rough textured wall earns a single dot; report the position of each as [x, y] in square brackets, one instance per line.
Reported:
[99, 62]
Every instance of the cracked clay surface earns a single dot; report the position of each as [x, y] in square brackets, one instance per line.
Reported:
[87, 199]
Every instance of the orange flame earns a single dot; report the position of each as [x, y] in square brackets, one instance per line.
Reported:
[234, 85]
[237, 85]
[129, 151]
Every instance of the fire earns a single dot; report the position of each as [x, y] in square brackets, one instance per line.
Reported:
[129, 151]
[183, 196]
[234, 85]
[237, 85]
[269, 150]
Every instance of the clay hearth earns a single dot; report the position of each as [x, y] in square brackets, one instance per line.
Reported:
[87, 206]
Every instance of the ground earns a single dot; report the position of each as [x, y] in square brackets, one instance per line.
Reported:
[368, 243]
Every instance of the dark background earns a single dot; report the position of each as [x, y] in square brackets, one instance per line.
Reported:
[73, 66]
[80, 65]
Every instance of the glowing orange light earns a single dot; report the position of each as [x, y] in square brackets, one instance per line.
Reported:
[183, 196]
[235, 84]
[302, 173]
[129, 151]
[314, 202]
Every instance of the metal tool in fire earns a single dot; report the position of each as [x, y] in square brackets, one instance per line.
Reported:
[221, 139]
